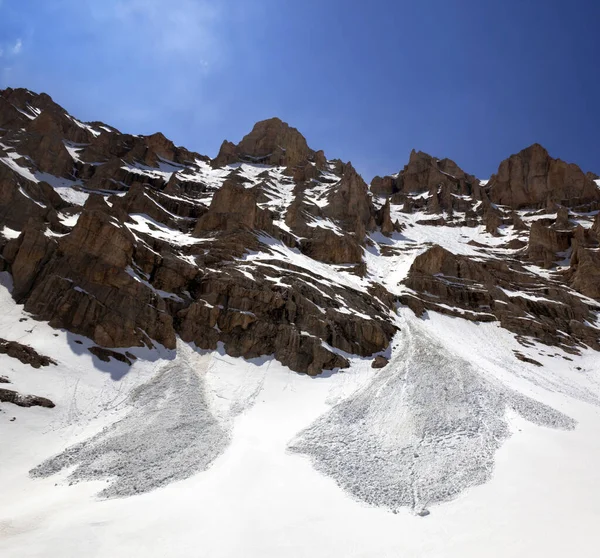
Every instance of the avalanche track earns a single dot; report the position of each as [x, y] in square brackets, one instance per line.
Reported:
[169, 434]
[424, 430]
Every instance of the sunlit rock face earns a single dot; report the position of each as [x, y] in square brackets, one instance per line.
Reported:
[157, 266]
[131, 240]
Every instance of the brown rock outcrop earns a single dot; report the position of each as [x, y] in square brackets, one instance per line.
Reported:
[253, 317]
[349, 202]
[492, 290]
[271, 142]
[434, 186]
[424, 172]
[32, 252]
[596, 226]
[385, 219]
[121, 284]
[584, 270]
[385, 186]
[532, 178]
[91, 287]
[24, 353]
[10, 396]
[234, 207]
[546, 243]
[327, 246]
[126, 271]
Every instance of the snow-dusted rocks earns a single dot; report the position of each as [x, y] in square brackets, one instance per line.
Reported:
[24, 353]
[179, 296]
[490, 289]
[244, 249]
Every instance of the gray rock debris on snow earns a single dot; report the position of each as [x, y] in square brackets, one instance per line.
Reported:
[424, 430]
[169, 434]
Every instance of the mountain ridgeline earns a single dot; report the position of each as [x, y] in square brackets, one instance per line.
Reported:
[270, 248]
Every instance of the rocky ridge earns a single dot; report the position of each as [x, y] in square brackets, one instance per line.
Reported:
[272, 249]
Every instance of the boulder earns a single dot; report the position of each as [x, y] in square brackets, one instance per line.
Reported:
[380, 362]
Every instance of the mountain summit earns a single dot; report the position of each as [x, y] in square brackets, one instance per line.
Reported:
[271, 142]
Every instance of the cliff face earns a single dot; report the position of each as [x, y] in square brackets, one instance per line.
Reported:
[271, 249]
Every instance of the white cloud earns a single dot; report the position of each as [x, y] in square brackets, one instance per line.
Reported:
[8, 51]
[16, 49]
[186, 28]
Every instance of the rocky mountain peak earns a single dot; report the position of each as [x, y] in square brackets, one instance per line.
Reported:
[271, 142]
[532, 178]
[272, 249]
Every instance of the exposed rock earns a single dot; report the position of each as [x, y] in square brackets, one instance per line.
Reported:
[432, 185]
[271, 142]
[349, 202]
[9, 396]
[584, 270]
[532, 178]
[523, 358]
[33, 251]
[424, 173]
[44, 143]
[596, 226]
[173, 243]
[387, 227]
[562, 218]
[385, 186]
[227, 154]
[492, 218]
[24, 353]
[106, 354]
[22, 201]
[545, 243]
[379, 362]
[234, 207]
[320, 160]
[327, 246]
[91, 287]
[254, 318]
[489, 290]
[517, 222]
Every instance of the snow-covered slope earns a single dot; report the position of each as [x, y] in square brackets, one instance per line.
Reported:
[226, 443]
[260, 355]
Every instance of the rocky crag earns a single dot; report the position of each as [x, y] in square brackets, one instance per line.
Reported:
[272, 249]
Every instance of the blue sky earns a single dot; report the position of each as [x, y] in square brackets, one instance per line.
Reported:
[473, 80]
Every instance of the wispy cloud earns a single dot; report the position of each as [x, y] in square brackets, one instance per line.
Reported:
[11, 50]
[163, 28]
[136, 62]
[16, 48]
